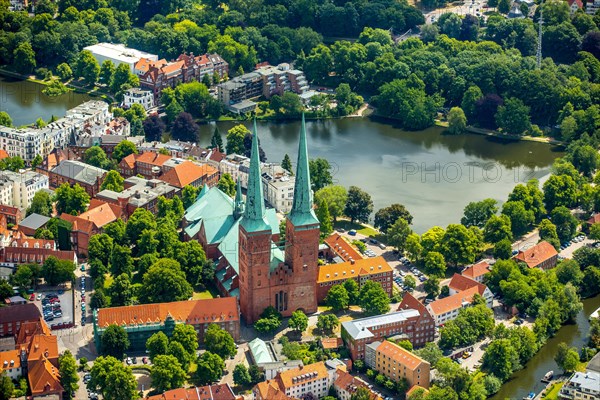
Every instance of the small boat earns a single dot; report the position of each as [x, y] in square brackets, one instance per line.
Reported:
[549, 375]
[530, 396]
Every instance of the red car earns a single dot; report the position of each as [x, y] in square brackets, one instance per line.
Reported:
[32, 297]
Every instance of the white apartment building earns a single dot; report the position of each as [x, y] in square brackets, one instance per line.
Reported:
[29, 142]
[118, 54]
[138, 96]
[278, 184]
[18, 188]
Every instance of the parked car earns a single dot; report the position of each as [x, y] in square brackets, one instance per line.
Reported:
[352, 232]
[128, 360]
[145, 360]
[82, 267]
[32, 297]
[373, 241]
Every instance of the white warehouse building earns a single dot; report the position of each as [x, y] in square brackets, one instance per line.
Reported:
[118, 54]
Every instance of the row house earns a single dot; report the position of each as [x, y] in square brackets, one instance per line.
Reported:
[24, 250]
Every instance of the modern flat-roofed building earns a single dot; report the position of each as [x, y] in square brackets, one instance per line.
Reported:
[118, 54]
[583, 385]
[145, 98]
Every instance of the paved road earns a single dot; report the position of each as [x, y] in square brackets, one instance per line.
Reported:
[467, 7]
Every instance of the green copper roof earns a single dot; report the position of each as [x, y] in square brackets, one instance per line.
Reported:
[260, 351]
[213, 209]
[302, 209]
[254, 213]
[239, 201]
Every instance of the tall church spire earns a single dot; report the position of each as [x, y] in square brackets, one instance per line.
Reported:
[254, 219]
[239, 201]
[302, 209]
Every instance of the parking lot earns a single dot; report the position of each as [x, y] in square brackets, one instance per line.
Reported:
[63, 302]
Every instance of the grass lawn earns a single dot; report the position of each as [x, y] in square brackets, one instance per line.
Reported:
[323, 309]
[210, 293]
[552, 393]
[362, 229]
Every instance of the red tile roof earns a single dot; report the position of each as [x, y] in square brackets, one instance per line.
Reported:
[212, 392]
[42, 347]
[186, 173]
[101, 213]
[269, 390]
[332, 343]
[3, 154]
[191, 311]
[342, 248]
[44, 378]
[578, 2]
[411, 302]
[349, 383]
[152, 158]
[461, 283]
[345, 270]
[477, 270]
[453, 302]
[129, 161]
[400, 355]
[537, 254]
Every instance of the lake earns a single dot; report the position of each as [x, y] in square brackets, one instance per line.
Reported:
[432, 174]
[25, 102]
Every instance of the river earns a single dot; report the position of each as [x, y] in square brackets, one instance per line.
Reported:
[25, 102]
[432, 174]
[528, 379]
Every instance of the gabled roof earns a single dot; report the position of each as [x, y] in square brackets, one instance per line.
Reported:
[152, 158]
[20, 313]
[101, 213]
[307, 373]
[214, 209]
[29, 329]
[260, 351]
[345, 270]
[342, 248]
[537, 254]
[411, 302]
[222, 309]
[453, 302]
[461, 283]
[186, 173]
[579, 3]
[34, 221]
[42, 347]
[269, 390]
[128, 161]
[9, 360]
[44, 378]
[400, 355]
[477, 270]
[79, 171]
[349, 383]
[211, 392]
[332, 343]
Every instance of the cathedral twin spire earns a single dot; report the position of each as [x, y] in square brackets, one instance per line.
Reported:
[302, 211]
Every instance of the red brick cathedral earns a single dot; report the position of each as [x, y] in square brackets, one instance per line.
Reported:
[270, 275]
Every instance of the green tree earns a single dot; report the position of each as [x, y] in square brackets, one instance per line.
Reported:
[235, 139]
[71, 199]
[166, 373]
[107, 70]
[521, 219]
[503, 6]
[432, 287]
[69, 378]
[269, 324]
[413, 247]
[336, 197]
[241, 376]
[566, 358]
[157, 344]
[227, 185]
[116, 230]
[164, 282]
[337, 298]
[497, 228]
[430, 353]
[113, 379]
[6, 387]
[353, 292]
[298, 321]
[55, 271]
[123, 149]
[324, 218]
[209, 369]
[410, 282]
[460, 245]
[500, 359]
[566, 223]
[559, 190]
[114, 342]
[286, 164]
[457, 121]
[398, 233]
[219, 341]
[99, 299]
[187, 337]
[548, 233]
[176, 350]
[503, 249]
[189, 195]
[513, 117]
[327, 322]
[387, 216]
[140, 220]
[120, 291]
[359, 205]
[113, 181]
[87, 67]
[96, 156]
[585, 159]
[320, 173]
[41, 204]
[121, 261]
[6, 289]
[122, 78]
[24, 58]
[373, 299]
[435, 264]
[64, 71]
[100, 248]
[477, 213]
[361, 393]
[5, 119]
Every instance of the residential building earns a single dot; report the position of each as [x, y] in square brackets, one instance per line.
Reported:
[145, 98]
[156, 75]
[308, 380]
[18, 188]
[477, 271]
[22, 250]
[592, 7]
[11, 318]
[76, 172]
[142, 321]
[10, 364]
[583, 385]
[185, 173]
[243, 237]
[408, 324]
[84, 226]
[218, 391]
[118, 54]
[339, 250]
[271, 369]
[148, 164]
[139, 193]
[575, 5]
[18, 5]
[374, 269]
[424, 324]
[32, 223]
[446, 309]
[397, 363]
[243, 87]
[13, 214]
[543, 255]
[460, 283]
[345, 385]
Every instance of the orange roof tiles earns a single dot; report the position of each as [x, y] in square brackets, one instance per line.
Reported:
[9, 359]
[186, 173]
[191, 311]
[345, 270]
[461, 283]
[414, 388]
[3, 154]
[29, 329]
[152, 158]
[42, 347]
[144, 64]
[477, 270]
[44, 378]
[332, 343]
[349, 383]
[400, 355]
[129, 161]
[101, 213]
[212, 392]
[453, 302]
[286, 377]
[24, 241]
[269, 390]
[411, 302]
[342, 248]
[537, 254]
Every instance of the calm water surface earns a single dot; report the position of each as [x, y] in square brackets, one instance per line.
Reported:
[25, 102]
[432, 174]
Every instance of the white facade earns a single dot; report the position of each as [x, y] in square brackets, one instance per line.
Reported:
[118, 54]
[592, 7]
[488, 296]
[29, 142]
[12, 368]
[138, 96]
[18, 188]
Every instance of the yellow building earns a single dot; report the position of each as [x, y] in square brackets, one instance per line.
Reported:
[396, 363]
